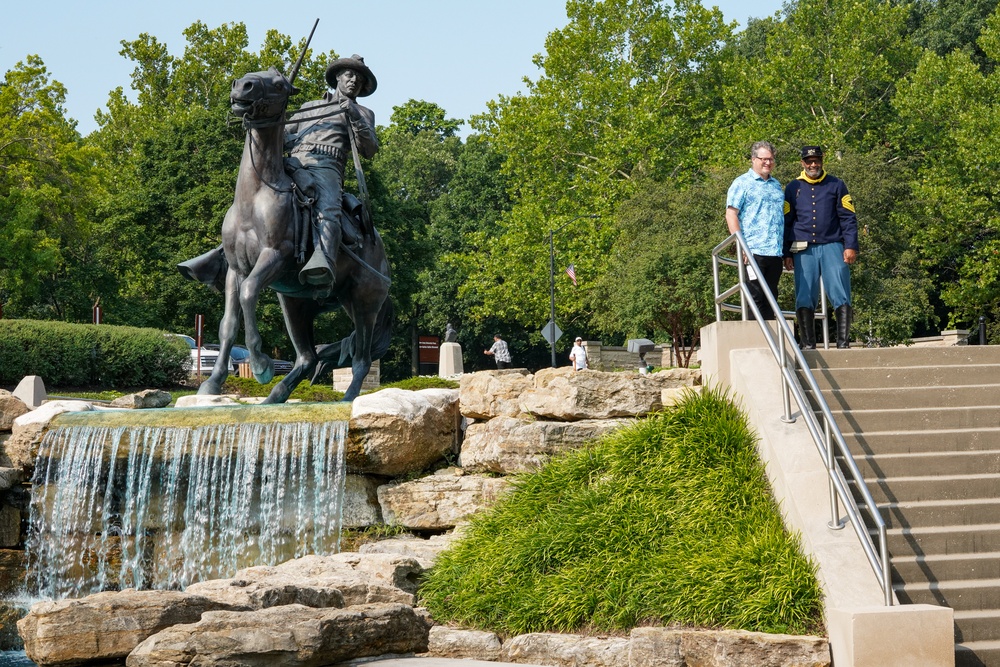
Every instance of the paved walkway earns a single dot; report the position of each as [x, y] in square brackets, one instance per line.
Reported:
[433, 662]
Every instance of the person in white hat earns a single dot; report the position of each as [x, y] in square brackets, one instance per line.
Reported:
[579, 355]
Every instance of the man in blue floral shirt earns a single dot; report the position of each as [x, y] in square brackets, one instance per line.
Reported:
[755, 206]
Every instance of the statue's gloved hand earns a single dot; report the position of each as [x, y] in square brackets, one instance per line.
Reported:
[350, 107]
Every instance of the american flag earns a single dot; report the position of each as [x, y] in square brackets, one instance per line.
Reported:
[571, 272]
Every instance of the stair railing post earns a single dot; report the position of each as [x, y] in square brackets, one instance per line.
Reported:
[718, 290]
[742, 270]
[831, 469]
[786, 392]
[825, 312]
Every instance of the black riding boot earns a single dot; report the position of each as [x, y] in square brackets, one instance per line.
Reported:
[322, 265]
[844, 316]
[208, 268]
[807, 328]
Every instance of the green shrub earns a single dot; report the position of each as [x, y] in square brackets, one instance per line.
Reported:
[668, 521]
[85, 355]
[421, 382]
[306, 391]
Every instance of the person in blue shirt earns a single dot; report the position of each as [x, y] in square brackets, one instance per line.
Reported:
[821, 239]
[754, 205]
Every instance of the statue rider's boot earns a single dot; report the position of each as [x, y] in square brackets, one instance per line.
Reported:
[321, 267]
[208, 268]
[844, 316]
[807, 328]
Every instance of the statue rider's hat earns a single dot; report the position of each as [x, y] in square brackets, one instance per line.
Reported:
[356, 63]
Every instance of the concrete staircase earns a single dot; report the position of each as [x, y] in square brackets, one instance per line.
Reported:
[924, 427]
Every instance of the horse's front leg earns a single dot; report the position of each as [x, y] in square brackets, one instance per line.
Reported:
[228, 328]
[299, 316]
[267, 268]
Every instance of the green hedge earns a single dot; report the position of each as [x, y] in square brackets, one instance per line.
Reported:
[87, 355]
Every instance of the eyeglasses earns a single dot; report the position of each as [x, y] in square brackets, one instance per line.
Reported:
[764, 159]
[813, 161]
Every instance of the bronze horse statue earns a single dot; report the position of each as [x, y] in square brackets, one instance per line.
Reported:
[265, 236]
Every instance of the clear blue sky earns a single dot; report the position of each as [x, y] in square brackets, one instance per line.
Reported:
[458, 54]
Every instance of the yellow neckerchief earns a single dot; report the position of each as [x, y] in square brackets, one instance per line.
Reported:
[803, 177]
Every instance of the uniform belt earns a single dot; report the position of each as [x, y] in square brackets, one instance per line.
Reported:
[321, 149]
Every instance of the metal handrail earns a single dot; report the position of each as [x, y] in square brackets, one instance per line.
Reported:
[827, 437]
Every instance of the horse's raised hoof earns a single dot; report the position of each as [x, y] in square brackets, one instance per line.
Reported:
[265, 374]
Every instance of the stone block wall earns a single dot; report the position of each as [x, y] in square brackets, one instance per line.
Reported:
[342, 378]
[611, 358]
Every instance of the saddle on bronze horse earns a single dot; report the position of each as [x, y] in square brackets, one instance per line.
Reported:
[210, 268]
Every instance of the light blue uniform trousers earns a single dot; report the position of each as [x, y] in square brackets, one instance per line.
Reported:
[826, 260]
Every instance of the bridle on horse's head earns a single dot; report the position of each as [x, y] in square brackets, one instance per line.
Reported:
[268, 109]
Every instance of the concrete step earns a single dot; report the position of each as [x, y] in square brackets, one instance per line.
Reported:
[941, 440]
[928, 463]
[897, 357]
[977, 625]
[907, 376]
[944, 567]
[941, 540]
[977, 654]
[931, 513]
[931, 487]
[973, 395]
[965, 594]
[918, 419]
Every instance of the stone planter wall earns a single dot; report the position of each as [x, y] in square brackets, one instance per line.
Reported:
[500, 423]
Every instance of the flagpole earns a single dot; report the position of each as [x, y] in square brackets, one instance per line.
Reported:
[552, 281]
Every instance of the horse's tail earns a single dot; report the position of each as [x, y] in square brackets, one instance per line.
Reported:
[341, 350]
[382, 335]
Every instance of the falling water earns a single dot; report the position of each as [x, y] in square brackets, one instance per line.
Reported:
[165, 506]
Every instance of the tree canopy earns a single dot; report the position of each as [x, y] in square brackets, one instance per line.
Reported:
[619, 150]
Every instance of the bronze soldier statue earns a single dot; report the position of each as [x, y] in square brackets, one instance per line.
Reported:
[319, 137]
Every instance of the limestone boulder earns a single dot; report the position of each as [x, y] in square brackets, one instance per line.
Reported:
[205, 400]
[424, 551]
[21, 448]
[10, 409]
[288, 636]
[439, 501]
[665, 647]
[562, 394]
[10, 477]
[105, 626]
[489, 394]
[395, 432]
[319, 581]
[361, 508]
[445, 642]
[506, 445]
[13, 572]
[559, 650]
[143, 400]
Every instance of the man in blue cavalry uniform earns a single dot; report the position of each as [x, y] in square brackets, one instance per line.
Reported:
[821, 239]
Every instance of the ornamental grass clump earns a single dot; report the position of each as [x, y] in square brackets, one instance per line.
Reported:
[669, 521]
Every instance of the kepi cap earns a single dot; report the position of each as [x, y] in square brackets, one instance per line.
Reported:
[812, 151]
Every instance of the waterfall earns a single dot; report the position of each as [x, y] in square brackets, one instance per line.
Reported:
[166, 506]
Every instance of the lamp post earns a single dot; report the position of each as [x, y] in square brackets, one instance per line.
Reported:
[552, 280]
